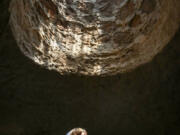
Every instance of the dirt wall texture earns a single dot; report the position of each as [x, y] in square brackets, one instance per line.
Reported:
[36, 101]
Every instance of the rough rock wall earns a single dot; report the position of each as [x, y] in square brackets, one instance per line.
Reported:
[93, 37]
[35, 101]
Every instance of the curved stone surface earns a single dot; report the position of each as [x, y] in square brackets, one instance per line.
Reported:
[93, 37]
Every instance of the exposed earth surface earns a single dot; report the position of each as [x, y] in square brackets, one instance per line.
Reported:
[36, 101]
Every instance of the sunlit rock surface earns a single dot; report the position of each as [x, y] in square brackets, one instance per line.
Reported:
[93, 37]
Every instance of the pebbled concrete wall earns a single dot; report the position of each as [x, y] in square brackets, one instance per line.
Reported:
[35, 101]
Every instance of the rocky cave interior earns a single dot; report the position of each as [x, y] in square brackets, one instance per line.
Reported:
[36, 101]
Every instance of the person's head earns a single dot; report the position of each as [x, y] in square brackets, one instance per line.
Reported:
[77, 131]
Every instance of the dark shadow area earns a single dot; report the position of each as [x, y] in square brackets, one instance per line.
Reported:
[36, 101]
